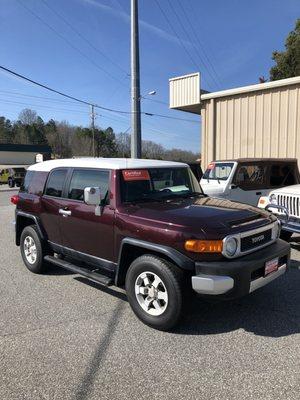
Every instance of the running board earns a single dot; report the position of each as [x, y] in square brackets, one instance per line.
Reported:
[95, 276]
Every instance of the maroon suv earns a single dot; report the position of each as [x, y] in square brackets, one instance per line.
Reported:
[145, 224]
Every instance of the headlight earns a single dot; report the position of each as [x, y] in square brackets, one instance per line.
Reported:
[230, 247]
[273, 199]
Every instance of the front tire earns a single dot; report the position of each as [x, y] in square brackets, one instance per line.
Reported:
[155, 291]
[285, 235]
[11, 183]
[32, 250]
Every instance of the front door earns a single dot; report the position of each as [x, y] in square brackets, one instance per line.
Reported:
[82, 230]
[249, 183]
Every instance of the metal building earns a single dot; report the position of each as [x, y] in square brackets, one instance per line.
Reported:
[253, 121]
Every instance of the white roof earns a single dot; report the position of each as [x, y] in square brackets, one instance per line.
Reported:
[106, 163]
[252, 88]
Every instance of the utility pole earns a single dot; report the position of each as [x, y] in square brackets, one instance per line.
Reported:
[93, 126]
[136, 137]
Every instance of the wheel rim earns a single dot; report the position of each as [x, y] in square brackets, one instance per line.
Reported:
[30, 249]
[151, 293]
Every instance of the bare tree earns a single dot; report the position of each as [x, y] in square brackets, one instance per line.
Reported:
[28, 116]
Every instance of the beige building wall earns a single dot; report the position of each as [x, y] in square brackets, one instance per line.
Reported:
[260, 120]
[259, 123]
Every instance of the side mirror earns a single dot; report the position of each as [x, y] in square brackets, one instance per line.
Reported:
[92, 196]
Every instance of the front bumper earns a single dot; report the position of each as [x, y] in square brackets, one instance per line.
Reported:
[288, 222]
[235, 278]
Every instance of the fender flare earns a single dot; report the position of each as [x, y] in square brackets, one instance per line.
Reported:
[180, 259]
[36, 221]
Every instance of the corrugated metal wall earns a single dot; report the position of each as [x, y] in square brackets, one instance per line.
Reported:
[263, 123]
[184, 91]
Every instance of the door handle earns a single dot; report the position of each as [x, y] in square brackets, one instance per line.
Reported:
[64, 213]
[258, 193]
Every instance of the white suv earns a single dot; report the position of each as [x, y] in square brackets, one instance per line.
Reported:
[285, 204]
[247, 179]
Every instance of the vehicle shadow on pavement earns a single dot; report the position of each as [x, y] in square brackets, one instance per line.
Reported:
[55, 270]
[272, 311]
[103, 288]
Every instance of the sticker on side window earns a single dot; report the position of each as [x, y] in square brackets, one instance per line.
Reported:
[136, 175]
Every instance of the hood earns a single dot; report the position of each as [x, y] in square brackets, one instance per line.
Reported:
[206, 214]
[213, 187]
[294, 190]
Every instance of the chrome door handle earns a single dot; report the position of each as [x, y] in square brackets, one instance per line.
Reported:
[64, 213]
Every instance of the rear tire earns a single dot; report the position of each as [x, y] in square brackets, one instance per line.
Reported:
[285, 235]
[11, 183]
[154, 289]
[32, 249]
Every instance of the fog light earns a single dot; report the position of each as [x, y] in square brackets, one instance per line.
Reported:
[230, 247]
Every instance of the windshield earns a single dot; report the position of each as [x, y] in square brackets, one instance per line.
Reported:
[19, 170]
[218, 171]
[157, 184]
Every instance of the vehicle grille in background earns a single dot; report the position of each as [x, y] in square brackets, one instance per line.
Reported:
[291, 203]
[256, 240]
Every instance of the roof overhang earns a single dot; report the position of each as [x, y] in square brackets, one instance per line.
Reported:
[186, 94]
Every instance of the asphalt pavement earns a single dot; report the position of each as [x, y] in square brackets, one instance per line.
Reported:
[64, 337]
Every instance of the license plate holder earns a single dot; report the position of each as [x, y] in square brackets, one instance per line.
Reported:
[271, 266]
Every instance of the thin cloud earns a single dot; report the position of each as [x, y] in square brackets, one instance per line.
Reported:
[126, 18]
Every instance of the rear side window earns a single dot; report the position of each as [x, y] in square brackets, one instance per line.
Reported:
[82, 178]
[27, 181]
[56, 182]
[34, 182]
[282, 175]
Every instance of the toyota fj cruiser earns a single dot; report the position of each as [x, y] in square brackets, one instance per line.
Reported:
[145, 225]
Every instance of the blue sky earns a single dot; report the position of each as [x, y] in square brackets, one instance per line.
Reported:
[231, 43]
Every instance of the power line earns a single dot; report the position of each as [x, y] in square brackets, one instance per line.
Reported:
[86, 102]
[191, 40]
[198, 40]
[5, 101]
[44, 86]
[69, 42]
[166, 116]
[84, 38]
[176, 34]
[18, 94]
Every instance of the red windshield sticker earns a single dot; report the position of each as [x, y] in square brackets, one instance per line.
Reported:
[136, 175]
[211, 166]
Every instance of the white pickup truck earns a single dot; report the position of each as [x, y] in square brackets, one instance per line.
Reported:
[247, 179]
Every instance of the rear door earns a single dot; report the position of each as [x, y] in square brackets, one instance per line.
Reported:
[249, 183]
[51, 202]
[81, 229]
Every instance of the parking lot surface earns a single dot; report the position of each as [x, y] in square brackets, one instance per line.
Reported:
[64, 337]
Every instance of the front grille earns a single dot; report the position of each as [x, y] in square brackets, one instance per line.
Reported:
[291, 203]
[256, 240]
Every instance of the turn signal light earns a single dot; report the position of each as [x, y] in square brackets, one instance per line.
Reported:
[204, 246]
[15, 199]
[262, 201]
